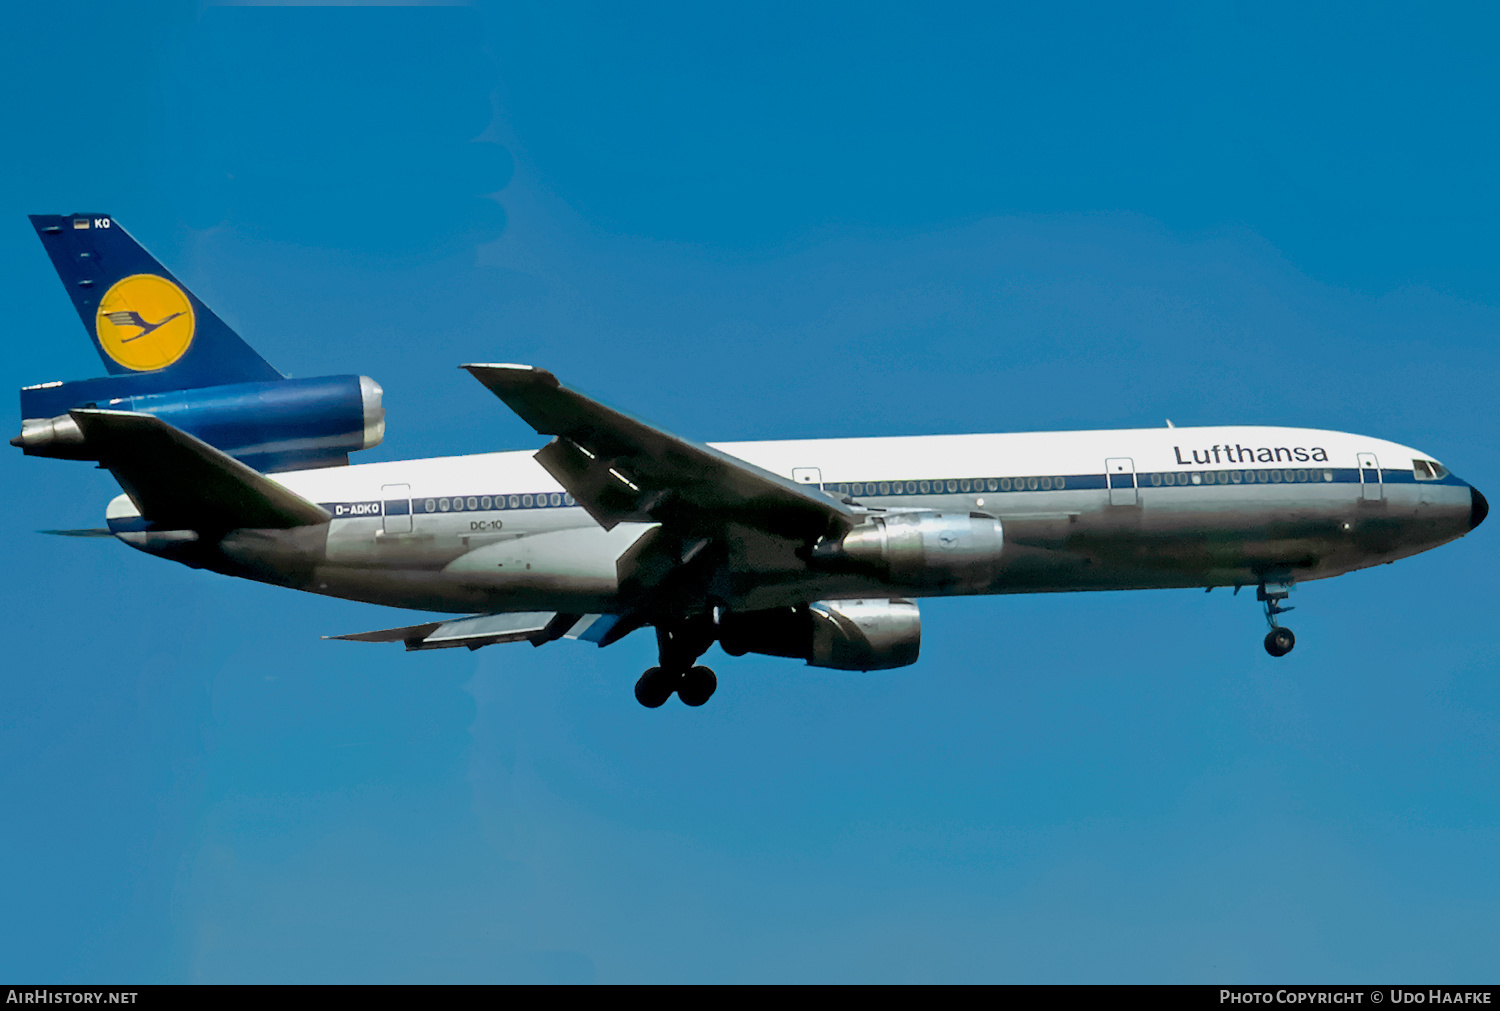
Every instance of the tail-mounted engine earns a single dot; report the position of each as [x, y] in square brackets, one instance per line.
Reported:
[951, 550]
[283, 424]
[838, 634]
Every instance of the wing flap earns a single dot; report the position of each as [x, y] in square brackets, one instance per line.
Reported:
[179, 482]
[535, 627]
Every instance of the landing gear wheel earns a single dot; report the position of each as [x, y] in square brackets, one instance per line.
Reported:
[654, 688]
[1279, 641]
[697, 685]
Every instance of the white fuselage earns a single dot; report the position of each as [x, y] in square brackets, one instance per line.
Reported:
[1079, 510]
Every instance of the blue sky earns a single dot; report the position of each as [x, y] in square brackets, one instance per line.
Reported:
[769, 222]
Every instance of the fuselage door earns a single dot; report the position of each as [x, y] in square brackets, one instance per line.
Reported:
[397, 508]
[1120, 472]
[808, 475]
[1371, 486]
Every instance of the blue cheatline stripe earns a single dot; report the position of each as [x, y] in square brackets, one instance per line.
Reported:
[1145, 479]
[966, 485]
[422, 505]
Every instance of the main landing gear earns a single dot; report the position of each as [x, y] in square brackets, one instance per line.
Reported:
[1279, 641]
[693, 686]
[680, 644]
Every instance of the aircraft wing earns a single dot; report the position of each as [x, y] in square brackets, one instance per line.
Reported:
[182, 483]
[621, 469]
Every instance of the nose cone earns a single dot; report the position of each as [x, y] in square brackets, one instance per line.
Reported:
[1478, 508]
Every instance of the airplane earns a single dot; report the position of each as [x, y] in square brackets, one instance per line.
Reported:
[813, 549]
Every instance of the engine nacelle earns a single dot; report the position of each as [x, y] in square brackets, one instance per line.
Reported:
[838, 634]
[284, 424]
[953, 550]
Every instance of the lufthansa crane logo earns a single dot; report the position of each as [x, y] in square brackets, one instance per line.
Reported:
[145, 322]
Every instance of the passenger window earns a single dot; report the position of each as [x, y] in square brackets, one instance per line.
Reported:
[1046, 484]
[526, 501]
[885, 488]
[952, 486]
[1234, 476]
[1031, 483]
[430, 505]
[993, 484]
[1057, 482]
[1005, 484]
[443, 504]
[568, 499]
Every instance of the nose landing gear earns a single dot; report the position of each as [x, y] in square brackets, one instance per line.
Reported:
[1279, 641]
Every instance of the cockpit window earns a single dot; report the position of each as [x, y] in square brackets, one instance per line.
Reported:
[1428, 470]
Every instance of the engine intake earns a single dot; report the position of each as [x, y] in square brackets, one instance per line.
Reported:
[859, 635]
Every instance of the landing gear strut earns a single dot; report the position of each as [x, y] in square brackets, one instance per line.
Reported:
[1279, 641]
[680, 644]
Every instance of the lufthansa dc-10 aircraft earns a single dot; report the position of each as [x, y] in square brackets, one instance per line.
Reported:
[814, 549]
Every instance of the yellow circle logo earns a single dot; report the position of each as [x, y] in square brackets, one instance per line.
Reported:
[145, 322]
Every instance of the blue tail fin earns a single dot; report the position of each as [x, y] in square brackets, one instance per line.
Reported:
[141, 319]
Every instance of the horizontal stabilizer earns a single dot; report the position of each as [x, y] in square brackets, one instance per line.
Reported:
[182, 483]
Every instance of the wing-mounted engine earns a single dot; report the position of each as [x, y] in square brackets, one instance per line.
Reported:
[283, 424]
[951, 550]
[838, 634]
